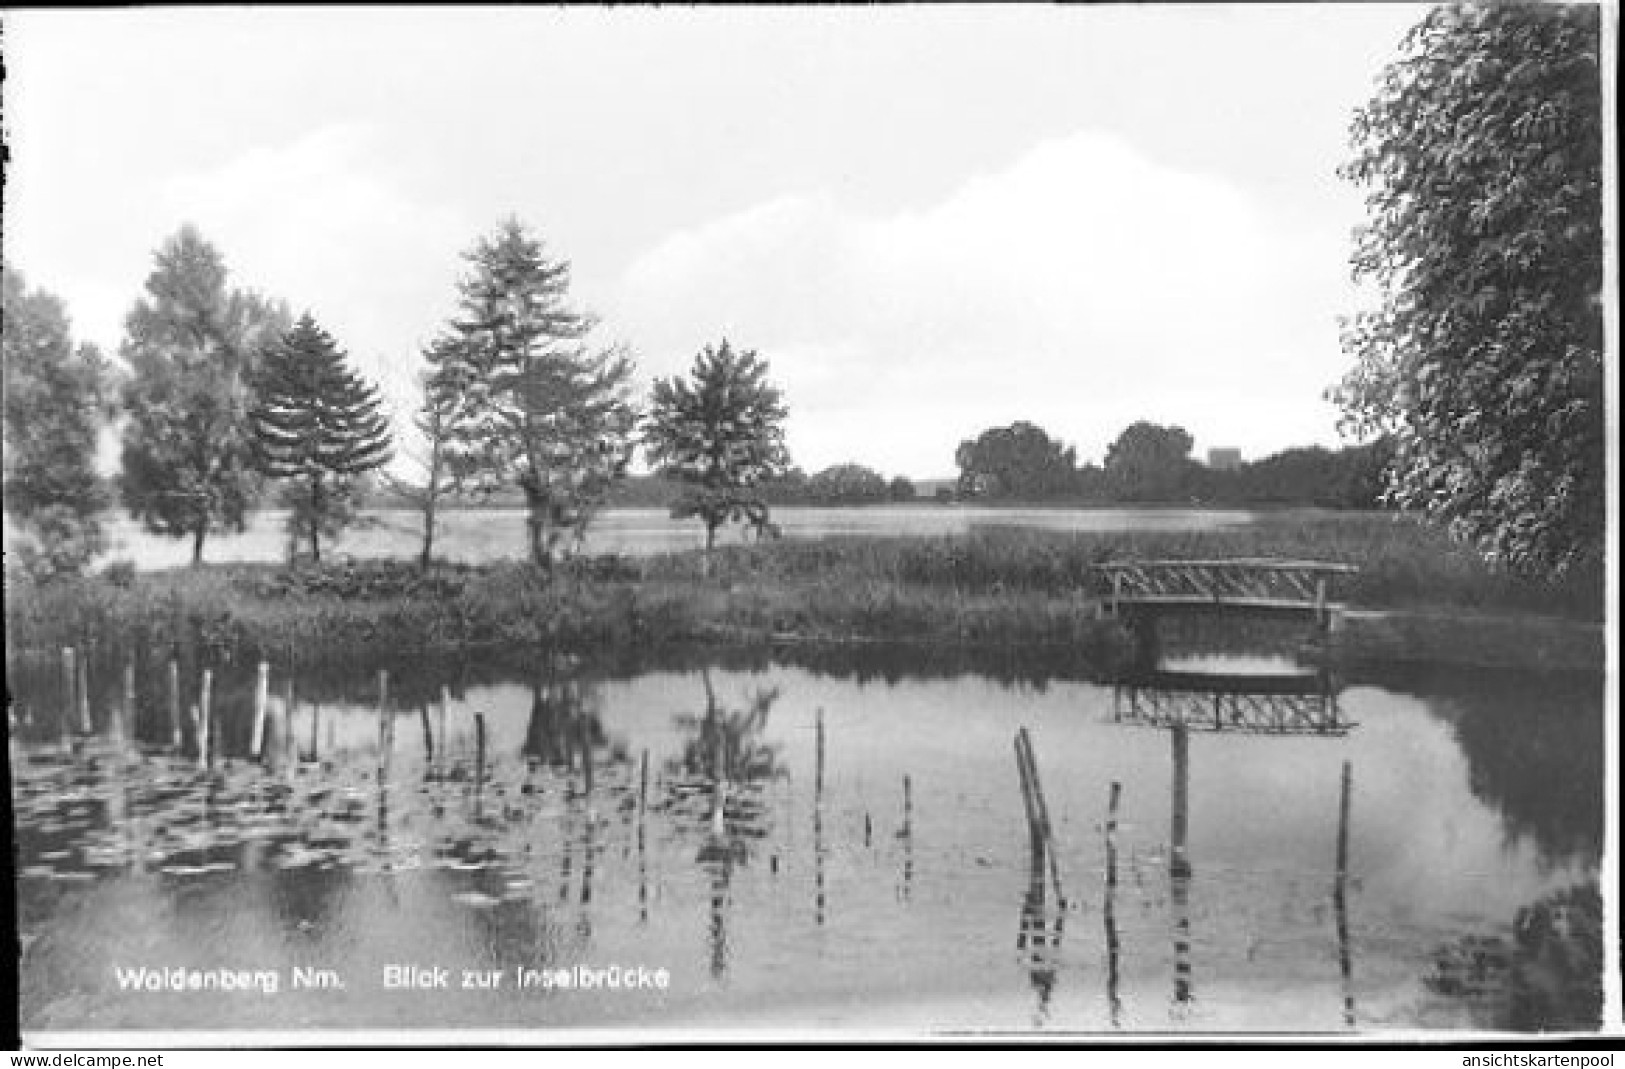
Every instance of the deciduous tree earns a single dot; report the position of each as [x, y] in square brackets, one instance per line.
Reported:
[55, 396]
[1148, 462]
[1481, 157]
[720, 431]
[318, 426]
[1020, 461]
[433, 483]
[191, 344]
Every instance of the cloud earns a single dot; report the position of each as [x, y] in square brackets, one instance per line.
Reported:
[1083, 287]
[319, 223]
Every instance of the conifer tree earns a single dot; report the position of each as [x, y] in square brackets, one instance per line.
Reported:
[531, 402]
[318, 425]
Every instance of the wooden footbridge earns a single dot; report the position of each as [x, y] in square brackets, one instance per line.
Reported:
[1302, 588]
[1140, 592]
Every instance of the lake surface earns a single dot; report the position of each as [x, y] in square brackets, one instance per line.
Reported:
[474, 535]
[874, 872]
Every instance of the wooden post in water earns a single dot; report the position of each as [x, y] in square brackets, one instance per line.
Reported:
[479, 751]
[289, 742]
[70, 686]
[85, 724]
[1179, 867]
[428, 736]
[818, 775]
[175, 738]
[643, 781]
[445, 703]
[1114, 1001]
[1039, 830]
[1179, 863]
[1340, 908]
[205, 728]
[126, 721]
[262, 695]
[386, 725]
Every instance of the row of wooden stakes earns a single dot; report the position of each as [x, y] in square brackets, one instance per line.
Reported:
[269, 721]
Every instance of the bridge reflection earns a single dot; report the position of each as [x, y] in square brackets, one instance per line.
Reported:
[1283, 703]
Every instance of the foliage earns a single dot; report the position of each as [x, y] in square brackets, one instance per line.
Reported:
[527, 400]
[316, 424]
[1148, 462]
[1020, 461]
[191, 345]
[54, 396]
[1481, 157]
[721, 433]
[847, 484]
[901, 488]
[1347, 478]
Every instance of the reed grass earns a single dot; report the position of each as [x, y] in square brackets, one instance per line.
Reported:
[995, 586]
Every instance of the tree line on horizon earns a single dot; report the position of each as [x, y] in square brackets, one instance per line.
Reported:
[1477, 385]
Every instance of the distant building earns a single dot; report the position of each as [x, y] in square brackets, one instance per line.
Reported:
[1224, 459]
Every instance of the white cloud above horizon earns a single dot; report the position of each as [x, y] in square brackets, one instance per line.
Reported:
[1082, 287]
[310, 221]
[931, 220]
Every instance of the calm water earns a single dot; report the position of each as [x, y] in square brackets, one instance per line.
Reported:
[888, 884]
[473, 535]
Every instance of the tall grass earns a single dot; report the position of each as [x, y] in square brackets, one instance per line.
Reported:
[996, 586]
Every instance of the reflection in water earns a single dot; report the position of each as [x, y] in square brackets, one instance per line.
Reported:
[1114, 1001]
[328, 862]
[1536, 751]
[1179, 868]
[1345, 961]
[1039, 935]
[723, 766]
[1280, 703]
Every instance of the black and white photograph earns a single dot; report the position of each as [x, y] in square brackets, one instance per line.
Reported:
[642, 525]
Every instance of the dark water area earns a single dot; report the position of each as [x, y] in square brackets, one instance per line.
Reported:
[805, 838]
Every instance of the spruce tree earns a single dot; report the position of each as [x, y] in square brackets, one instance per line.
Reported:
[318, 425]
[530, 401]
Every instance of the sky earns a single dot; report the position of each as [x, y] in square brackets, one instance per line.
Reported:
[929, 221]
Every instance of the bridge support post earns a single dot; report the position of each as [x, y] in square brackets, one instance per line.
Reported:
[1142, 628]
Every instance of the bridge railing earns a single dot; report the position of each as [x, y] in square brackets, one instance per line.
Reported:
[1256, 582]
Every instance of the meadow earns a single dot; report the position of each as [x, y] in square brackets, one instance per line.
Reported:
[989, 586]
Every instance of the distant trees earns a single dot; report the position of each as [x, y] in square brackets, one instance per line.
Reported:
[1149, 462]
[902, 488]
[1019, 462]
[525, 397]
[1348, 478]
[317, 425]
[1481, 155]
[54, 394]
[191, 344]
[720, 431]
[847, 484]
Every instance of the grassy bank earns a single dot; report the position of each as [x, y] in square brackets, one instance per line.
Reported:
[997, 586]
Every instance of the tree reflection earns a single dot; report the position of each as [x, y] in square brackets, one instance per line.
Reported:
[722, 766]
[1534, 748]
